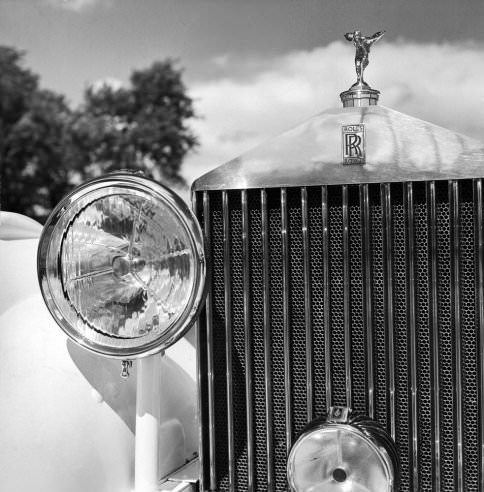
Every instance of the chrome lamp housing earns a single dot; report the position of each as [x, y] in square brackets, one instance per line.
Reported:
[343, 452]
[121, 266]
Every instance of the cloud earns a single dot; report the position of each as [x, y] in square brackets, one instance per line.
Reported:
[254, 98]
[106, 82]
[78, 5]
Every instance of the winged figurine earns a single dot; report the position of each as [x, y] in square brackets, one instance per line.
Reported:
[363, 45]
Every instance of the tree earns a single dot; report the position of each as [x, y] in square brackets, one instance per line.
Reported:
[17, 85]
[46, 148]
[32, 122]
[141, 127]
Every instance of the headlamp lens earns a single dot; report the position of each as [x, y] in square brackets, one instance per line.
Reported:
[127, 269]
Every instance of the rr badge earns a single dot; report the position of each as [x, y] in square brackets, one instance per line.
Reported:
[353, 144]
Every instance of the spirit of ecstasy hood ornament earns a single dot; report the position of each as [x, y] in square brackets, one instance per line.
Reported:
[360, 93]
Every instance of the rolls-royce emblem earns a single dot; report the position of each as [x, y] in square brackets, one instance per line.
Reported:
[353, 144]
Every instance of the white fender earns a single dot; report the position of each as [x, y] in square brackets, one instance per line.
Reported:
[15, 226]
[67, 417]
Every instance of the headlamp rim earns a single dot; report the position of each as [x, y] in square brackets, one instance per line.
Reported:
[182, 213]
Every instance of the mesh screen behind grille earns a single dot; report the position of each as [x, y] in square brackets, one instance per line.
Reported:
[299, 382]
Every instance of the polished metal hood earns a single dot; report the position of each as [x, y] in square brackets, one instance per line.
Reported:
[397, 147]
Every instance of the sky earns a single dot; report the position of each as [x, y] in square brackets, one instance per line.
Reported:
[258, 67]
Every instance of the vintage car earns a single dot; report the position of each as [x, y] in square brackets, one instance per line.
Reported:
[314, 323]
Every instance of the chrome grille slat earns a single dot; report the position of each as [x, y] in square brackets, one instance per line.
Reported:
[455, 289]
[210, 363]
[196, 199]
[379, 322]
[388, 296]
[479, 225]
[403, 253]
[346, 295]
[315, 226]
[432, 207]
[327, 319]
[468, 266]
[368, 306]
[336, 298]
[402, 279]
[408, 190]
[228, 337]
[307, 306]
[287, 321]
[356, 316]
[248, 342]
[267, 342]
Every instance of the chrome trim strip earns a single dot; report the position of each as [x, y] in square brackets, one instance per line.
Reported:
[201, 452]
[187, 473]
[455, 289]
[228, 340]
[346, 296]
[176, 486]
[287, 326]
[267, 341]
[412, 326]
[248, 343]
[366, 261]
[210, 364]
[480, 255]
[194, 202]
[307, 305]
[326, 295]
[385, 195]
[432, 207]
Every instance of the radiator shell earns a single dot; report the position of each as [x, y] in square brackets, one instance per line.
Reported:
[344, 285]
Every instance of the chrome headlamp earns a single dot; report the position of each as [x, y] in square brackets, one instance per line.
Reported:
[343, 453]
[121, 266]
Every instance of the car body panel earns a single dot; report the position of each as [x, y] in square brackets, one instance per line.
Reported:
[68, 417]
[15, 226]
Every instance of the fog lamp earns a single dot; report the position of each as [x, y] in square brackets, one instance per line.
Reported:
[344, 453]
[121, 266]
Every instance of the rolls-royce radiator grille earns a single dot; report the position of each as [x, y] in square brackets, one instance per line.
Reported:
[368, 296]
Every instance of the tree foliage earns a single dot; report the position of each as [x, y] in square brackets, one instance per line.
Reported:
[32, 129]
[140, 127]
[46, 148]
